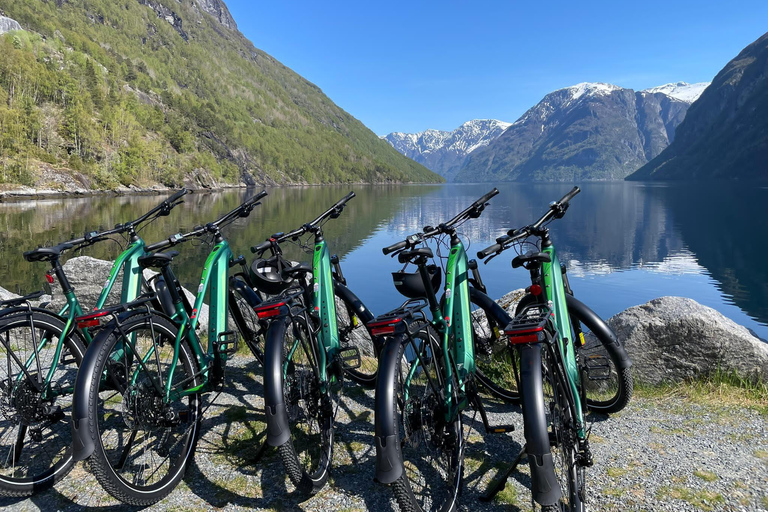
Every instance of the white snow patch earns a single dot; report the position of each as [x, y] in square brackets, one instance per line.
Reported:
[682, 91]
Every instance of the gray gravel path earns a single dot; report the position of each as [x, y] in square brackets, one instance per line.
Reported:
[657, 455]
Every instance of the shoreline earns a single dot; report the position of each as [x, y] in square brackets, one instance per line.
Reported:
[29, 193]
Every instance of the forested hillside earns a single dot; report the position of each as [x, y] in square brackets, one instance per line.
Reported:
[168, 91]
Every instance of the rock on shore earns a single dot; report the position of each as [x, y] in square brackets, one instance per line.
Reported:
[674, 338]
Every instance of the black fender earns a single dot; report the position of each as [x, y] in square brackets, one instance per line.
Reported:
[479, 298]
[278, 429]
[601, 330]
[546, 489]
[389, 458]
[363, 313]
[42, 311]
[82, 443]
[246, 291]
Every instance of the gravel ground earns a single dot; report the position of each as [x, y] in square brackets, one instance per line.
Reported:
[661, 454]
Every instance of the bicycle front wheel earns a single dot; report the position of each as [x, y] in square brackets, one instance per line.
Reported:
[352, 318]
[143, 441]
[35, 439]
[431, 445]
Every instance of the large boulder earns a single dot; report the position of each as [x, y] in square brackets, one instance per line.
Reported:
[88, 275]
[8, 25]
[671, 339]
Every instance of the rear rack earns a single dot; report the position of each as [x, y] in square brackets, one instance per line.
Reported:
[397, 320]
[530, 325]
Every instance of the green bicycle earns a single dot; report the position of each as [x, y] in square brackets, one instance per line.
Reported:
[309, 350]
[427, 370]
[42, 351]
[137, 402]
[552, 391]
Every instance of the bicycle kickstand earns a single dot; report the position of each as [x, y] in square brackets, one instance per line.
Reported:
[498, 484]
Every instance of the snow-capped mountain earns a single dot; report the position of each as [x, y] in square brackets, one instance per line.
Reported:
[683, 91]
[444, 152]
[589, 131]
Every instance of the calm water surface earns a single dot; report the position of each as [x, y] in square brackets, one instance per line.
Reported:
[624, 243]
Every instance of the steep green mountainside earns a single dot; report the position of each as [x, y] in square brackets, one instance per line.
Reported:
[589, 131]
[168, 91]
[725, 132]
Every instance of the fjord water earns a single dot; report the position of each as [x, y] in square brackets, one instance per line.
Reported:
[624, 243]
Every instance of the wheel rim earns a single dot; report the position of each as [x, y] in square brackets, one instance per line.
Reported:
[431, 448]
[145, 441]
[35, 439]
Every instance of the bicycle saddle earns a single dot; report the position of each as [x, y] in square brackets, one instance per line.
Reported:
[301, 268]
[46, 253]
[531, 257]
[158, 259]
[407, 256]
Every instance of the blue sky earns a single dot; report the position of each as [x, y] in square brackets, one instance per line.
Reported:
[413, 65]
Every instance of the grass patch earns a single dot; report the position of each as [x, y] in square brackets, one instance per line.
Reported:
[616, 472]
[726, 388]
[705, 475]
[764, 500]
[701, 499]
[507, 496]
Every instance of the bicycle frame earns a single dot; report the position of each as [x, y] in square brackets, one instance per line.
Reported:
[453, 322]
[128, 261]
[554, 290]
[216, 277]
[324, 304]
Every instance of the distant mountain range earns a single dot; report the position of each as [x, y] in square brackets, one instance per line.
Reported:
[725, 133]
[445, 152]
[589, 131]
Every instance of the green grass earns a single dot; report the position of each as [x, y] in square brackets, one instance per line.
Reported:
[720, 388]
[705, 475]
[701, 499]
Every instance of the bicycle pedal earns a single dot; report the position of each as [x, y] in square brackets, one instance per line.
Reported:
[226, 343]
[597, 367]
[350, 358]
[501, 429]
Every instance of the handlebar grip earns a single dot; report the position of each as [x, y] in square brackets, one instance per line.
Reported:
[489, 250]
[163, 244]
[178, 195]
[260, 195]
[570, 195]
[487, 196]
[344, 200]
[263, 246]
[395, 247]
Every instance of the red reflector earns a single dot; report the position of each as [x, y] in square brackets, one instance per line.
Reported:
[267, 313]
[526, 338]
[49, 278]
[91, 320]
[535, 289]
[269, 310]
[386, 329]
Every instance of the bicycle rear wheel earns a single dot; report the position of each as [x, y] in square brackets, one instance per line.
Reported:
[35, 439]
[142, 443]
[310, 409]
[242, 301]
[432, 448]
[569, 472]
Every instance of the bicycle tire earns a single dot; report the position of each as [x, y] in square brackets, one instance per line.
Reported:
[431, 478]
[307, 452]
[51, 444]
[242, 301]
[352, 318]
[565, 450]
[620, 383]
[126, 403]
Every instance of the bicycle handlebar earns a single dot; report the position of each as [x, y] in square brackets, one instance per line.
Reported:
[334, 211]
[556, 210]
[472, 211]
